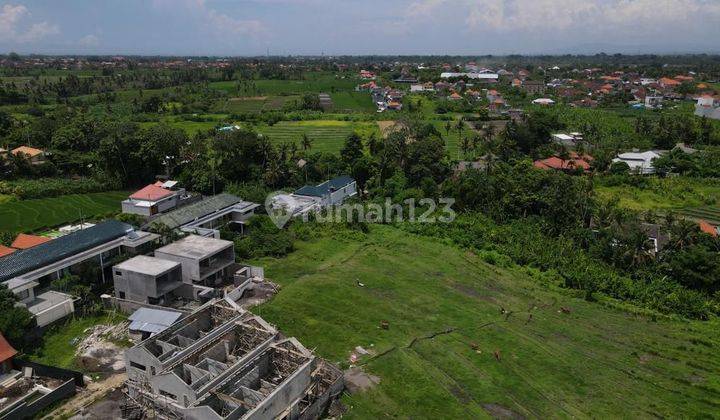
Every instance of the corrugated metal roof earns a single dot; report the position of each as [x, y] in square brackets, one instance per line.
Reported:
[27, 260]
[187, 214]
[152, 320]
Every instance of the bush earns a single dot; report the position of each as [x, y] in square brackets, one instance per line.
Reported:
[264, 239]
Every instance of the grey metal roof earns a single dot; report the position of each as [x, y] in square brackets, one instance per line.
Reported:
[152, 320]
[184, 215]
[27, 260]
[326, 187]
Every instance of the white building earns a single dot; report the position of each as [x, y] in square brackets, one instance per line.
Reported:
[639, 162]
[154, 199]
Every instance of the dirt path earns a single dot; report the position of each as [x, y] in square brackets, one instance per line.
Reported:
[87, 396]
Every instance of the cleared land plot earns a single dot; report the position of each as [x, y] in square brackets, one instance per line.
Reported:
[594, 361]
[314, 83]
[352, 101]
[33, 215]
[326, 135]
[240, 105]
[664, 193]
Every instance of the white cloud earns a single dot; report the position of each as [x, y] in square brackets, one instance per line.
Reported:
[10, 31]
[211, 19]
[599, 15]
[89, 41]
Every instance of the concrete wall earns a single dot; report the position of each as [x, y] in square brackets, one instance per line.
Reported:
[139, 287]
[55, 313]
[26, 409]
[190, 266]
[282, 397]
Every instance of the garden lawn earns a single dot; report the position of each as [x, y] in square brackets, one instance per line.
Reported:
[593, 361]
[59, 342]
[34, 215]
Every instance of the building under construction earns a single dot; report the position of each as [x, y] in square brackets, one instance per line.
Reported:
[221, 362]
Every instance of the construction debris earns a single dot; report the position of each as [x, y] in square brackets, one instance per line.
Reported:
[97, 352]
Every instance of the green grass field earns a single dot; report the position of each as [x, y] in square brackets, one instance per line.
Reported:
[241, 105]
[314, 82]
[353, 102]
[326, 135]
[595, 361]
[34, 215]
[664, 194]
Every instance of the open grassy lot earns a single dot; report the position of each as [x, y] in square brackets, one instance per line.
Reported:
[664, 193]
[353, 101]
[594, 361]
[314, 82]
[326, 135]
[58, 348]
[239, 105]
[33, 215]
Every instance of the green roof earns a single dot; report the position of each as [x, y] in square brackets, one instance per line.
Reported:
[184, 215]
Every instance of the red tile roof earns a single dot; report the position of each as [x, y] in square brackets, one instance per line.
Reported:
[151, 193]
[26, 150]
[708, 228]
[575, 162]
[24, 241]
[4, 251]
[6, 350]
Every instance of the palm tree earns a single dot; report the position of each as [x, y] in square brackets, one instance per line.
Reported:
[460, 126]
[305, 142]
[465, 146]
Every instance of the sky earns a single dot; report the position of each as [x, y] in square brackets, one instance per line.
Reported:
[358, 27]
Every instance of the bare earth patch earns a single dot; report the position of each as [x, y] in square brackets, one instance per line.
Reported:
[497, 411]
[358, 381]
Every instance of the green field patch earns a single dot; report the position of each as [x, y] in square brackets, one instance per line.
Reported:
[662, 193]
[326, 135]
[352, 102]
[594, 361]
[44, 213]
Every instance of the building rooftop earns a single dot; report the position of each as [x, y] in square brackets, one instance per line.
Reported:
[150, 266]
[184, 215]
[27, 260]
[152, 192]
[195, 246]
[6, 350]
[326, 187]
[6, 251]
[24, 241]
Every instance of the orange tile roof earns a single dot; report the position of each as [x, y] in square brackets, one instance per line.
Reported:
[151, 193]
[4, 251]
[6, 350]
[708, 228]
[26, 150]
[24, 241]
[669, 82]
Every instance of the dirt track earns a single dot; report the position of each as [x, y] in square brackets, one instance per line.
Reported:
[92, 392]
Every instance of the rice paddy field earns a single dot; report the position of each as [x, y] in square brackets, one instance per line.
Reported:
[44, 213]
[708, 213]
[449, 352]
[326, 135]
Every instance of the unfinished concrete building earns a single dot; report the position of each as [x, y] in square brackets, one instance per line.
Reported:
[205, 261]
[221, 362]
